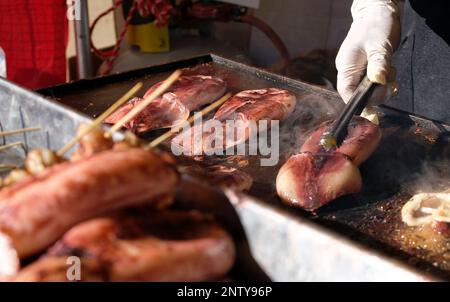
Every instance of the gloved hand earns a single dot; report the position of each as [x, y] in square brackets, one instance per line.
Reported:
[369, 45]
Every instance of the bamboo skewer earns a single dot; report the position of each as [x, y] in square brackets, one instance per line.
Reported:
[18, 131]
[142, 105]
[172, 132]
[7, 167]
[8, 146]
[101, 118]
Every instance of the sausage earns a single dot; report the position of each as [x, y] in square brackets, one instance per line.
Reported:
[218, 175]
[140, 246]
[37, 211]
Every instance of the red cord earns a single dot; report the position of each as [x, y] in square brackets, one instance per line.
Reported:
[160, 9]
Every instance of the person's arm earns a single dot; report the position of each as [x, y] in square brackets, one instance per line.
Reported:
[369, 45]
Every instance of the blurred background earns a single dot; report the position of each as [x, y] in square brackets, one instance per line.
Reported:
[297, 38]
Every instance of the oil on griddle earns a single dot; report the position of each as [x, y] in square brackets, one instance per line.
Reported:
[413, 156]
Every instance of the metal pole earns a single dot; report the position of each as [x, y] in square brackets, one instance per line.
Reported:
[83, 44]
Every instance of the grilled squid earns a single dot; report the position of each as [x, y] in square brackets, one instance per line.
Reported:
[243, 111]
[317, 176]
[311, 180]
[173, 107]
[363, 137]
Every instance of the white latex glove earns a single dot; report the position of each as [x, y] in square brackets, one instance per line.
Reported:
[369, 45]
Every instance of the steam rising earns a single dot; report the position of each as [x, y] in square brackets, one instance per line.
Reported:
[308, 115]
[433, 177]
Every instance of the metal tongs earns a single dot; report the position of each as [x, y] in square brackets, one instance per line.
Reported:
[338, 130]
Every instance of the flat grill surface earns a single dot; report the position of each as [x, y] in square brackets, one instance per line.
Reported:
[413, 156]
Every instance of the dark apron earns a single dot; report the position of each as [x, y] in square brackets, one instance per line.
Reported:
[423, 60]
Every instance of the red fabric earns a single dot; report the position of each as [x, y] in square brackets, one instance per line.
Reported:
[160, 9]
[33, 34]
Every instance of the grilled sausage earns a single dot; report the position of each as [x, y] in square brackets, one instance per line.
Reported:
[37, 211]
[140, 246]
[218, 175]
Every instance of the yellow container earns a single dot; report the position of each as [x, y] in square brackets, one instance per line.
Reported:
[149, 38]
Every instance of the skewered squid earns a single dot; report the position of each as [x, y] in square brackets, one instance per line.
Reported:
[243, 109]
[188, 93]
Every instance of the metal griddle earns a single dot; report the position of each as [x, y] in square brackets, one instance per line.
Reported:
[354, 238]
[22, 108]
